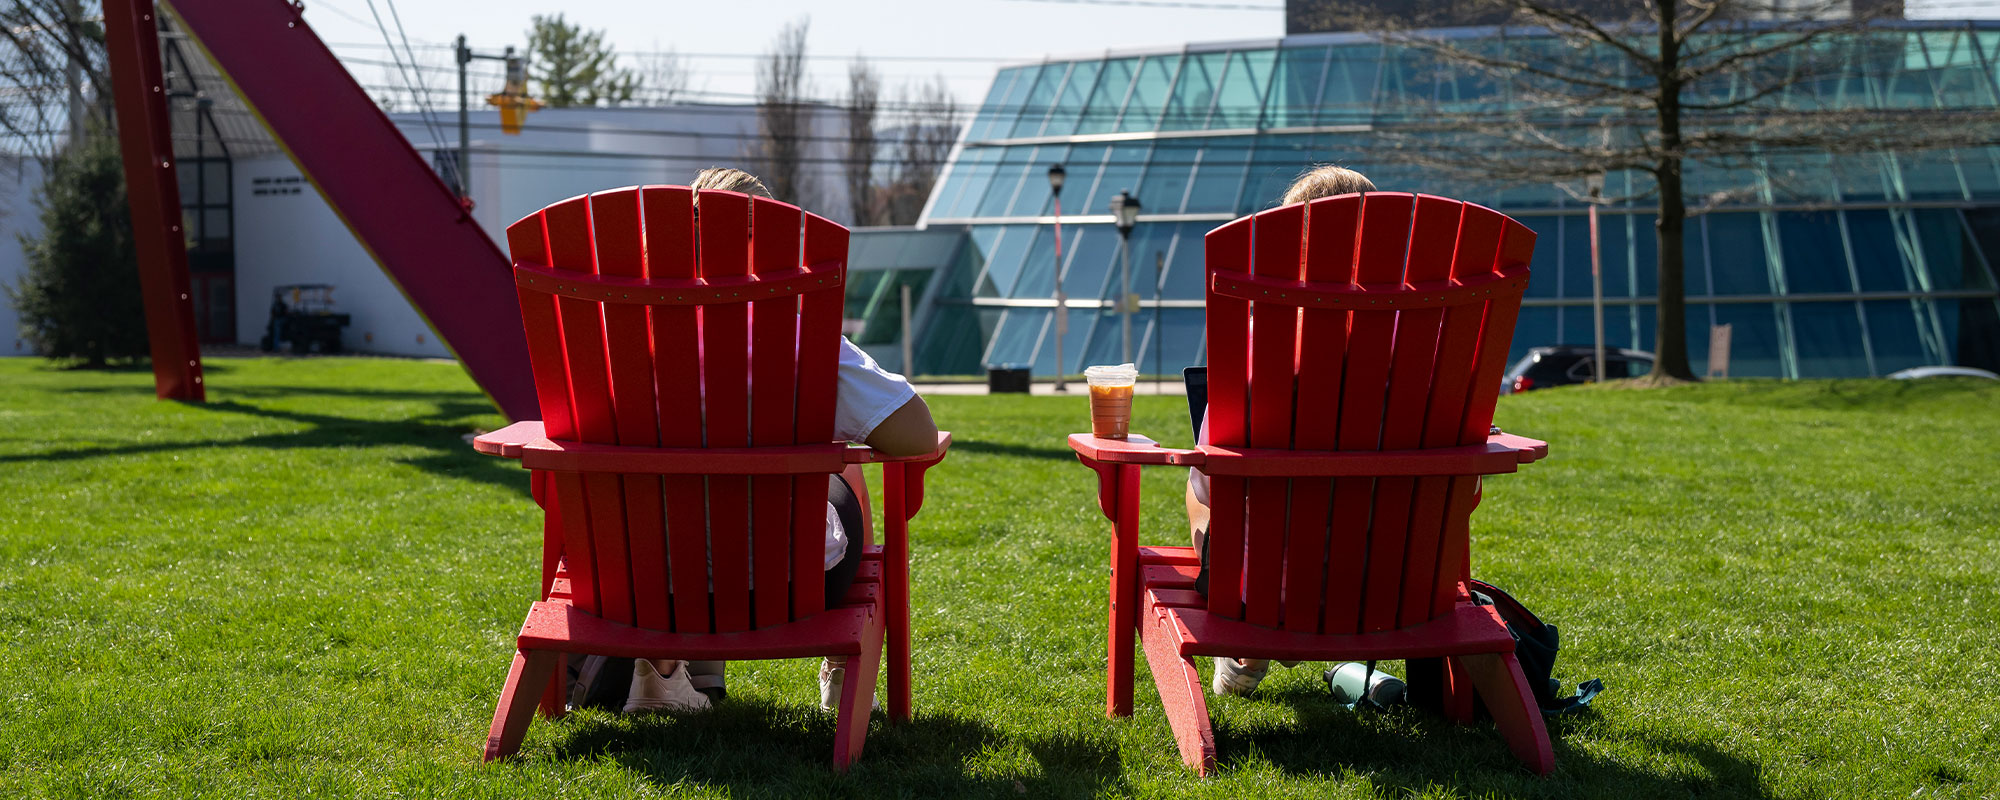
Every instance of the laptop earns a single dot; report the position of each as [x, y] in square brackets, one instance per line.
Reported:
[1196, 379]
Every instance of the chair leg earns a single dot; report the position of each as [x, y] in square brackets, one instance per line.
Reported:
[510, 719]
[555, 697]
[1181, 693]
[857, 698]
[1458, 691]
[1512, 702]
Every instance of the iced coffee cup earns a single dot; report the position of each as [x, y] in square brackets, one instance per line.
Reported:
[1111, 400]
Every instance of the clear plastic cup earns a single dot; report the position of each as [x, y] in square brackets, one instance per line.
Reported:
[1111, 400]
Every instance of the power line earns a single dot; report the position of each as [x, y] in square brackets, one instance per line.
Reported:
[1164, 4]
[809, 56]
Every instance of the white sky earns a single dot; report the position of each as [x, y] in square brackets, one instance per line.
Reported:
[964, 40]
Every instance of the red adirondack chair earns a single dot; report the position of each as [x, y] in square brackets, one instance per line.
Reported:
[1355, 348]
[686, 367]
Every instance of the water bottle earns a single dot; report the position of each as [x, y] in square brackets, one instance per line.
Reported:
[1347, 680]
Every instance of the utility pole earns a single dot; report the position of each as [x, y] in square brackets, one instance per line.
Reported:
[464, 57]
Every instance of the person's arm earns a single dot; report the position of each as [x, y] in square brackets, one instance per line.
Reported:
[907, 431]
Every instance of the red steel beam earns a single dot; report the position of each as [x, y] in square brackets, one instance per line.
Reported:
[399, 209]
[131, 37]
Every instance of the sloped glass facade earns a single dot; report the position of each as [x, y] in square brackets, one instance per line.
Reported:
[1845, 266]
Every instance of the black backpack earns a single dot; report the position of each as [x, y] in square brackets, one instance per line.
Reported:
[1535, 646]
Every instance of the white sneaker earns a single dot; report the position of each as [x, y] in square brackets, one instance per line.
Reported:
[1236, 678]
[831, 676]
[652, 691]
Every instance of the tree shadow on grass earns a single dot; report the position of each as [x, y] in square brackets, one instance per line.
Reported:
[1843, 395]
[441, 432]
[1405, 751]
[753, 747]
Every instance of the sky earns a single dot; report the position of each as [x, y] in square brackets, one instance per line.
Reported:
[907, 40]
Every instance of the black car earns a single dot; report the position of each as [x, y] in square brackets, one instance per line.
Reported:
[1562, 365]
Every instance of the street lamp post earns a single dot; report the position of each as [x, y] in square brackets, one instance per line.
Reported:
[1126, 208]
[1056, 174]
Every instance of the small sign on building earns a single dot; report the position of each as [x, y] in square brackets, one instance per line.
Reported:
[1718, 351]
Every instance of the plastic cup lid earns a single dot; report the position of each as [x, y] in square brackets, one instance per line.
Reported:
[1122, 373]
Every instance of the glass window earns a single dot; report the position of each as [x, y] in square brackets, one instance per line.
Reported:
[1575, 256]
[215, 187]
[1182, 340]
[1643, 239]
[1219, 178]
[1001, 106]
[1107, 343]
[1090, 253]
[1018, 336]
[1279, 161]
[190, 181]
[1035, 199]
[1069, 102]
[1080, 175]
[1004, 266]
[1194, 92]
[1348, 96]
[1149, 93]
[1943, 241]
[1167, 175]
[215, 224]
[1699, 320]
[1081, 320]
[1038, 274]
[970, 175]
[1930, 176]
[1754, 350]
[1828, 337]
[1241, 97]
[1536, 327]
[1877, 259]
[1295, 87]
[1100, 113]
[970, 272]
[1544, 271]
[1187, 262]
[1736, 255]
[1121, 172]
[1035, 104]
[1862, 176]
[953, 341]
[1015, 164]
[1815, 260]
[1892, 332]
[1151, 244]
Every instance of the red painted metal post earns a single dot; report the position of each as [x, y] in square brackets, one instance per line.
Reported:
[404, 215]
[131, 36]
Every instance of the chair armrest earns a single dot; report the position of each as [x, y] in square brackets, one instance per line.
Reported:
[1530, 450]
[870, 455]
[508, 442]
[1134, 449]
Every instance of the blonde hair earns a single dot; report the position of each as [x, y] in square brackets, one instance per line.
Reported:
[725, 179]
[1326, 181]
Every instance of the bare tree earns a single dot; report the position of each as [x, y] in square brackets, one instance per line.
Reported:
[1559, 95]
[864, 89]
[784, 121]
[665, 75]
[931, 119]
[54, 77]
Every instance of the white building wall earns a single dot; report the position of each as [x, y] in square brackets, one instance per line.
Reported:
[285, 234]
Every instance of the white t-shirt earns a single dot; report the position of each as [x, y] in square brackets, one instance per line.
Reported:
[864, 395]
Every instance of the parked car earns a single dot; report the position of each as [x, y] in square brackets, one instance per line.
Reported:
[1941, 372]
[1562, 365]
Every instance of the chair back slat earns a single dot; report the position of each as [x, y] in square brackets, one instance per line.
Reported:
[1327, 258]
[819, 356]
[724, 222]
[683, 552]
[774, 249]
[670, 253]
[1227, 252]
[1353, 554]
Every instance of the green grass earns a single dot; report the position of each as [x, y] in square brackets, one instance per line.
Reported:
[310, 584]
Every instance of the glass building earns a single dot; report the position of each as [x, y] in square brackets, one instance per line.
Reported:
[1851, 266]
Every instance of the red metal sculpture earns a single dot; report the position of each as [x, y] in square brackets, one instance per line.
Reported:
[404, 215]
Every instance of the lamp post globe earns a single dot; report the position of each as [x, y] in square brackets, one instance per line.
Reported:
[1125, 209]
[1056, 173]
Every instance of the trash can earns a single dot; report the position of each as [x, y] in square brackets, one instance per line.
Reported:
[1007, 379]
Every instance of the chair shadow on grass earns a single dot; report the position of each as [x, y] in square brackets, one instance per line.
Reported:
[753, 746]
[1018, 450]
[441, 431]
[1405, 751]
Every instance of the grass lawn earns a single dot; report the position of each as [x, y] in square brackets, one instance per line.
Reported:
[310, 586]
